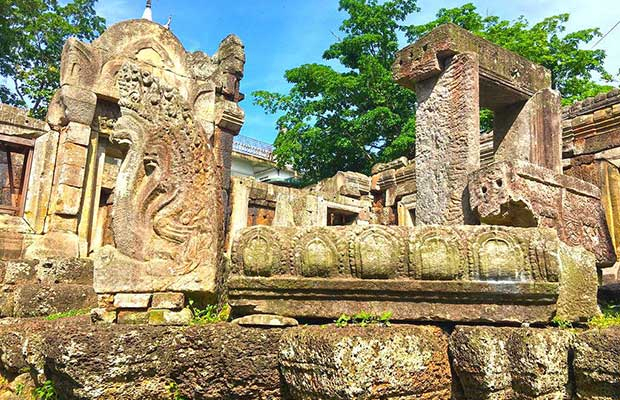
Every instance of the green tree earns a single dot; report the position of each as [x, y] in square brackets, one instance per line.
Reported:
[573, 67]
[33, 33]
[353, 117]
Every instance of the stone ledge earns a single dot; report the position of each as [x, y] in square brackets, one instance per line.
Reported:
[225, 361]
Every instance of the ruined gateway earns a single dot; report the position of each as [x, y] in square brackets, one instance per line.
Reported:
[474, 246]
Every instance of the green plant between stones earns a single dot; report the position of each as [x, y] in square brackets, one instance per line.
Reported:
[363, 319]
[610, 317]
[47, 391]
[208, 315]
[67, 314]
[175, 392]
[562, 323]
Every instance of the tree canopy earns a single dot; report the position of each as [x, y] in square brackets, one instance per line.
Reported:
[33, 34]
[352, 116]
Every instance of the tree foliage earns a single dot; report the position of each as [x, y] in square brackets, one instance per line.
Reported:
[33, 33]
[352, 116]
[347, 120]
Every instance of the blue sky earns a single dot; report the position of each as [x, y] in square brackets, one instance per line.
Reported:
[282, 34]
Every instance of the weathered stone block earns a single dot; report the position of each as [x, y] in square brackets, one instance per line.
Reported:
[269, 320]
[447, 140]
[72, 104]
[71, 175]
[77, 133]
[522, 194]
[132, 300]
[531, 132]
[68, 200]
[511, 363]
[65, 270]
[103, 315]
[169, 300]
[597, 364]
[19, 271]
[73, 154]
[130, 362]
[170, 317]
[35, 300]
[54, 244]
[505, 75]
[132, 317]
[366, 363]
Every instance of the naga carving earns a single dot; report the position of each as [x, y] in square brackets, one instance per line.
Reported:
[167, 200]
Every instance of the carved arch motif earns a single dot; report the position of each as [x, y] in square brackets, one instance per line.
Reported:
[499, 256]
[316, 253]
[437, 254]
[258, 251]
[377, 252]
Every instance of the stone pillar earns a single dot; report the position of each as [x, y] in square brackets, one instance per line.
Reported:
[70, 113]
[447, 141]
[531, 131]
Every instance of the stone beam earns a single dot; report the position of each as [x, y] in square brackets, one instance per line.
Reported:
[431, 273]
[505, 77]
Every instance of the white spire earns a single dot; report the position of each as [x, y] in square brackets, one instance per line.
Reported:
[148, 12]
[167, 26]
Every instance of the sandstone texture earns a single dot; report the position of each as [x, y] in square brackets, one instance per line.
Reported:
[34, 288]
[87, 361]
[405, 362]
[226, 361]
[597, 364]
[424, 273]
[512, 363]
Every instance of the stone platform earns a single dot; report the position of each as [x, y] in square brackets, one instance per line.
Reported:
[426, 273]
[225, 361]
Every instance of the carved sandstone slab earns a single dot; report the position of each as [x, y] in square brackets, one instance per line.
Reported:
[438, 273]
[521, 194]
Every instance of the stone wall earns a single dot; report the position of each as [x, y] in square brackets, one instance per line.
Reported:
[226, 361]
[34, 288]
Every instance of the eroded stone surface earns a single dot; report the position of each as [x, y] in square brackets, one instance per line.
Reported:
[512, 363]
[447, 141]
[597, 364]
[518, 193]
[366, 363]
[95, 361]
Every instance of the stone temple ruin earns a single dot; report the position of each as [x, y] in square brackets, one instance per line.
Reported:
[122, 201]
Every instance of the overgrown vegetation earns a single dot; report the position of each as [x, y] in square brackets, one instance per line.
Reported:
[210, 314]
[67, 314]
[175, 392]
[610, 317]
[562, 323]
[351, 116]
[364, 319]
[33, 34]
[47, 391]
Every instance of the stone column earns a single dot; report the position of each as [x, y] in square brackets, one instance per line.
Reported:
[71, 112]
[447, 141]
[530, 131]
